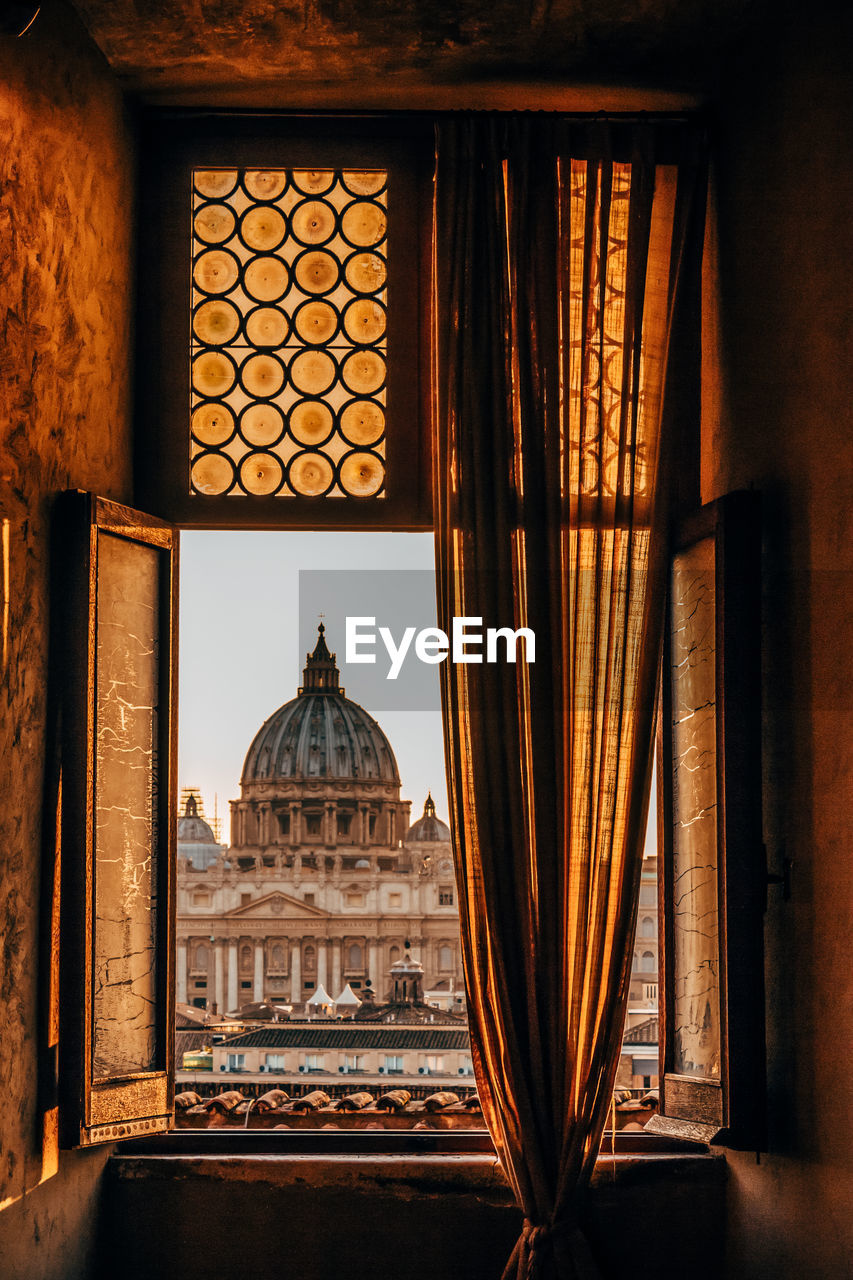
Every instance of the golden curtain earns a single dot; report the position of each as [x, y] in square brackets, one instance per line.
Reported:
[566, 265]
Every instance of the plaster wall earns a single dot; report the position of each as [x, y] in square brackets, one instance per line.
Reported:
[782, 421]
[66, 197]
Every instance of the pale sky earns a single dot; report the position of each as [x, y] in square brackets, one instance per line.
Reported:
[240, 657]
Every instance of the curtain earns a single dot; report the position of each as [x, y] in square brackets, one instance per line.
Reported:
[566, 266]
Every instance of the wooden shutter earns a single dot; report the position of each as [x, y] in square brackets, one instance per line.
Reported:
[713, 873]
[117, 848]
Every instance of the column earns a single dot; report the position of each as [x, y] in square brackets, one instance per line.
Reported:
[337, 979]
[373, 968]
[181, 972]
[219, 974]
[296, 971]
[331, 821]
[364, 825]
[295, 823]
[258, 990]
[322, 969]
[233, 989]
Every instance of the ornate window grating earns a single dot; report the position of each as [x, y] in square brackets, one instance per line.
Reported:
[288, 350]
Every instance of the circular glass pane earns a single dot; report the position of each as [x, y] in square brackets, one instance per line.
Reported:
[262, 228]
[264, 184]
[266, 327]
[216, 271]
[363, 372]
[213, 374]
[312, 372]
[261, 473]
[215, 183]
[313, 222]
[313, 181]
[261, 424]
[212, 473]
[310, 474]
[265, 279]
[362, 474]
[363, 421]
[216, 322]
[316, 322]
[262, 376]
[364, 223]
[311, 422]
[316, 271]
[214, 223]
[364, 182]
[212, 423]
[364, 320]
[365, 272]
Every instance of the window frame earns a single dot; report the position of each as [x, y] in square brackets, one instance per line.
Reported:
[167, 140]
[172, 144]
[731, 1110]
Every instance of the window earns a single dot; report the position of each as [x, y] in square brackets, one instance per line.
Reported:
[392, 1064]
[212, 407]
[305, 280]
[433, 1064]
[648, 963]
[395, 901]
[647, 927]
[344, 822]
[355, 958]
[313, 1062]
[275, 1061]
[353, 1062]
[236, 1061]
[284, 824]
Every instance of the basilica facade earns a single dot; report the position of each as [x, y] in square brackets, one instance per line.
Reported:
[326, 881]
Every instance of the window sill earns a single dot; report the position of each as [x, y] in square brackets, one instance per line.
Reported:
[249, 1198]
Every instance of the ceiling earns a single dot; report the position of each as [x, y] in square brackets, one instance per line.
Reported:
[400, 52]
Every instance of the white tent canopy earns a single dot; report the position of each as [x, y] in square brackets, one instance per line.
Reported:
[320, 996]
[347, 999]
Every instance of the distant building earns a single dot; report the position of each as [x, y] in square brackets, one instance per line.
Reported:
[638, 1066]
[326, 884]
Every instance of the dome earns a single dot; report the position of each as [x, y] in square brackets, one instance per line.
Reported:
[321, 733]
[196, 840]
[428, 829]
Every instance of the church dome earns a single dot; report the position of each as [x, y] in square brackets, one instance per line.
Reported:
[428, 829]
[321, 733]
[196, 840]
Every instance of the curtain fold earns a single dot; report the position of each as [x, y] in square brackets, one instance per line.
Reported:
[566, 268]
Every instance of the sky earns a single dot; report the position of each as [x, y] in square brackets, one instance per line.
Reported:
[241, 657]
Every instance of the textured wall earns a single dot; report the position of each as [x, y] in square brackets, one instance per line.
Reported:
[785, 425]
[65, 298]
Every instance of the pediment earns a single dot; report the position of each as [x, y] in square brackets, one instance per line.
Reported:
[278, 905]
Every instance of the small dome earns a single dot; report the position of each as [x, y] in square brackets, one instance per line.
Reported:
[196, 840]
[321, 733]
[428, 829]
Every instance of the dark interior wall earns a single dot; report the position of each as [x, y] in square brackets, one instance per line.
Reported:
[785, 195]
[66, 197]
